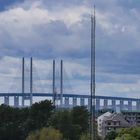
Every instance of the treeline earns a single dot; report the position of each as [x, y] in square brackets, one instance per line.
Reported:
[42, 121]
[132, 133]
[16, 123]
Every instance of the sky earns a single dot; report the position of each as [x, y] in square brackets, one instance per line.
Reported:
[60, 29]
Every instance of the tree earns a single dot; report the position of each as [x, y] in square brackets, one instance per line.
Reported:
[71, 123]
[16, 123]
[80, 116]
[33, 136]
[85, 137]
[62, 121]
[10, 123]
[132, 133]
[39, 114]
[45, 134]
[111, 135]
[126, 137]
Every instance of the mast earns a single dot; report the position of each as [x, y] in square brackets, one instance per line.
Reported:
[61, 83]
[92, 104]
[31, 79]
[54, 91]
[23, 81]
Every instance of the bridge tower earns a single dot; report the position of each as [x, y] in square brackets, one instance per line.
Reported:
[54, 89]
[61, 84]
[24, 96]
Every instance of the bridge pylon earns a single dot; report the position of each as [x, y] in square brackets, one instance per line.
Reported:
[55, 92]
[24, 96]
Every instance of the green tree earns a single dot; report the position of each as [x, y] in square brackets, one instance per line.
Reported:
[33, 136]
[10, 123]
[126, 137]
[129, 133]
[71, 123]
[85, 137]
[111, 136]
[39, 114]
[16, 123]
[62, 121]
[80, 116]
[45, 134]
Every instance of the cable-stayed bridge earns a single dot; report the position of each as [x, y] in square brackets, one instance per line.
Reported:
[62, 99]
[71, 100]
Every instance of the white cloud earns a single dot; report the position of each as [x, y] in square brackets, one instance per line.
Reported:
[119, 90]
[31, 28]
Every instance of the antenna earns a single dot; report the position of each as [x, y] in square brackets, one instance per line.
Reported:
[61, 84]
[23, 81]
[53, 84]
[92, 88]
[31, 80]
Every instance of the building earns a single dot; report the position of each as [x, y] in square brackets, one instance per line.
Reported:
[132, 117]
[110, 122]
[103, 111]
[101, 123]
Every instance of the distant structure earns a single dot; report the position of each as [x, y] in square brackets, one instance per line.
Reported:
[92, 88]
[65, 100]
[132, 117]
[54, 89]
[110, 122]
[29, 96]
[24, 96]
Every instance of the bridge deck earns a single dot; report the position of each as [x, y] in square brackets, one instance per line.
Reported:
[68, 95]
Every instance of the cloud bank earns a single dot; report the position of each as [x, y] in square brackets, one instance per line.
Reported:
[49, 30]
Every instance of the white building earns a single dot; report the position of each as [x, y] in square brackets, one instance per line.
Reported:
[110, 122]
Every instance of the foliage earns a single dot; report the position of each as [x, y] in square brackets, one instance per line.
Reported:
[126, 137]
[33, 136]
[85, 137]
[39, 115]
[80, 116]
[71, 123]
[132, 133]
[11, 123]
[16, 123]
[45, 134]
[111, 136]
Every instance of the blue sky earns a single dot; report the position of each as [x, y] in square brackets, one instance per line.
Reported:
[55, 29]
